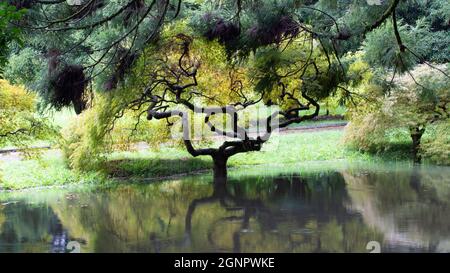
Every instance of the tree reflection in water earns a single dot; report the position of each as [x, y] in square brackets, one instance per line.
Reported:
[221, 195]
[404, 209]
[294, 214]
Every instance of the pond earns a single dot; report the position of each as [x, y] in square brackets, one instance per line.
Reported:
[328, 208]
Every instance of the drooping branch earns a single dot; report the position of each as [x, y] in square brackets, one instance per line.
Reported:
[383, 17]
[397, 33]
[297, 119]
[92, 25]
[117, 55]
[15, 132]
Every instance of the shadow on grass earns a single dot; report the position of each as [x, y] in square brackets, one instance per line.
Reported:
[160, 167]
[153, 167]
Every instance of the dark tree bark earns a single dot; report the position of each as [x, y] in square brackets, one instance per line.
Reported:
[416, 136]
[220, 169]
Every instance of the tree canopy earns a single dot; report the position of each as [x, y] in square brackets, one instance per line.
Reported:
[169, 58]
[72, 49]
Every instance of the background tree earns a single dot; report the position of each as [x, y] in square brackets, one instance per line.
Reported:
[417, 101]
[75, 49]
[8, 32]
[20, 123]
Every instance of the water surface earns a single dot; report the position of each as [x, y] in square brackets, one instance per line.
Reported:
[324, 209]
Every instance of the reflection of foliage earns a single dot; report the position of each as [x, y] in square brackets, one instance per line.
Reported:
[131, 218]
[2, 217]
[27, 224]
[390, 200]
[318, 212]
[298, 215]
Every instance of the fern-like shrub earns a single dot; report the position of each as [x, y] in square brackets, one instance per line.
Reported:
[436, 148]
[106, 127]
[413, 110]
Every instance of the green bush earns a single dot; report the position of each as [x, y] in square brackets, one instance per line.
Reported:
[20, 123]
[105, 128]
[389, 117]
[436, 148]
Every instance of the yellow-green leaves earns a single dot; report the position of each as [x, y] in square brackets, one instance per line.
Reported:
[19, 122]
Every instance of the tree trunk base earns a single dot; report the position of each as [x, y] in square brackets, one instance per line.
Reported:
[220, 170]
[416, 136]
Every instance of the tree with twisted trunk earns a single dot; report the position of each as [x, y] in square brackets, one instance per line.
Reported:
[177, 84]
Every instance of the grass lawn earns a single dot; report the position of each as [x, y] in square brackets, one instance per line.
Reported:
[283, 149]
[49, 170]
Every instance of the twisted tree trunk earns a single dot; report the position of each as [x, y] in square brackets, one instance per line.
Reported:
[220, 168]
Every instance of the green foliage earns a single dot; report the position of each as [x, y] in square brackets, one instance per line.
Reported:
[117, 120]
[382, 50]
[20, 124]
[106, 51]
[276, 71]
[24, 68]
[106, 127]
[367, 132]
[270, 37]
[418, 99]
[430, 45]
[49, 170]
[436, 148]
[423, 27]
[81, 143]
[436, 12]
[109, 50]
[421, 97]
[260, 24]
[8, 32]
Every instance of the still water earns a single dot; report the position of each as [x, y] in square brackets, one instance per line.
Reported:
[337, 209]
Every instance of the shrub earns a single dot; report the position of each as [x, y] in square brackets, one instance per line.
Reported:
[20, 123]
[105, 128]
[413, 106]
[436, 148]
